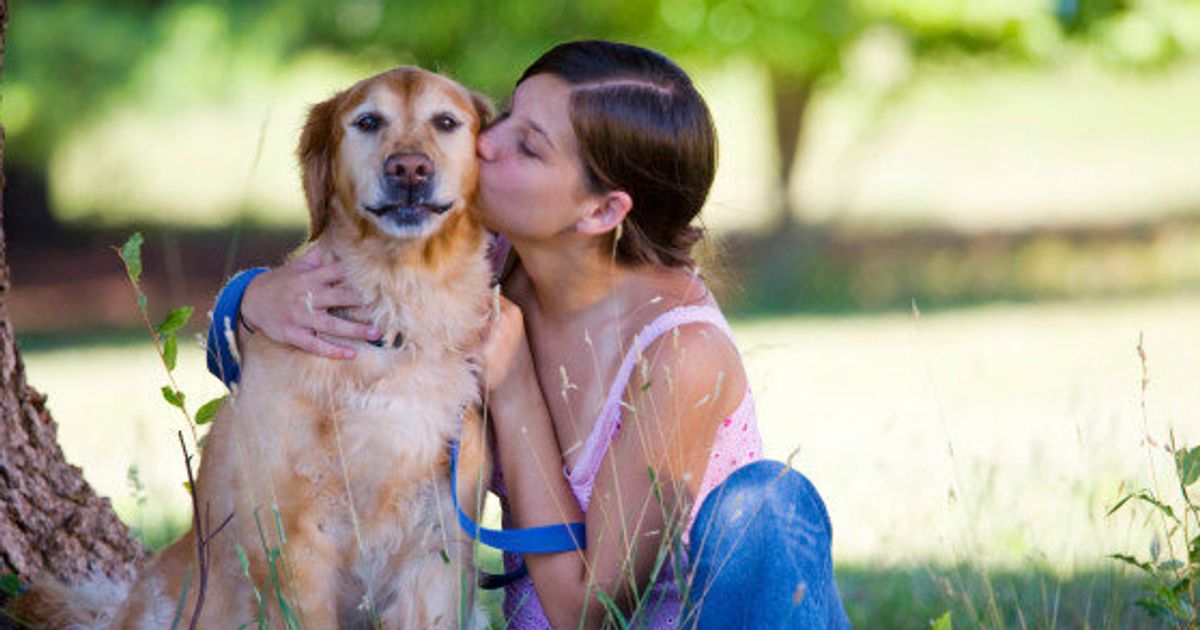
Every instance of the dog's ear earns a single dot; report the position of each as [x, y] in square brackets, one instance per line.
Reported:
[483, 109]
[316, 163]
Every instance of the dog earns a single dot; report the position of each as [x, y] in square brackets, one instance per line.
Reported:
[335, 472]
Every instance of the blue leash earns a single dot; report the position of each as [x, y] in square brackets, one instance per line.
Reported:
[544, 539]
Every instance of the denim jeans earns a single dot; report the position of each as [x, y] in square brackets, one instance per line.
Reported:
[760, 554]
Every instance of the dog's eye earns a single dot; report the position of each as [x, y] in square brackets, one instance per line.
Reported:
[445, 122]
[367, 122]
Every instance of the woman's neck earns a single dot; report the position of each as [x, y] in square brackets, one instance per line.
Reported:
[569, 282]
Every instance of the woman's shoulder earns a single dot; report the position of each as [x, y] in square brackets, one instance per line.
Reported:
[674, 298]
[688, 335]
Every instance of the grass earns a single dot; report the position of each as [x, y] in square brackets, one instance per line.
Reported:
[967, 458]
[909, 596]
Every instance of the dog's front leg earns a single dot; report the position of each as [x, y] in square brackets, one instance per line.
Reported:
[313, 562]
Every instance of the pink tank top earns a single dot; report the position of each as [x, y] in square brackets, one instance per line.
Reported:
[737, 442]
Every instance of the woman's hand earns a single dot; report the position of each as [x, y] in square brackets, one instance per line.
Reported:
[504, 352]
[291, 305]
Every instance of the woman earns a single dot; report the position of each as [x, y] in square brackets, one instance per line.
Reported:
[595, 175]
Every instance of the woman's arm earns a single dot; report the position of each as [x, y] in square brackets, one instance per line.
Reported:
[290, 305]
[671, 412]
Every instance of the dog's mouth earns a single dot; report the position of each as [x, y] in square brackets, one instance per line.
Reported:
[405, 214]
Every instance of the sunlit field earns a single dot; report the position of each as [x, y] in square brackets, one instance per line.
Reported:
[958, 452]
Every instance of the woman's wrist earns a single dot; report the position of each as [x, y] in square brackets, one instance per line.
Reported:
[247, 316]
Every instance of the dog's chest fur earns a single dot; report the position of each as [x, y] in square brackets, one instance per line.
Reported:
[374, 428]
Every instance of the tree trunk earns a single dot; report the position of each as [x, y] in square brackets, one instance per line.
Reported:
[51, 521]
[790, 98]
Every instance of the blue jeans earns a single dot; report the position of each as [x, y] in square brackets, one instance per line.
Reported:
[760, 554]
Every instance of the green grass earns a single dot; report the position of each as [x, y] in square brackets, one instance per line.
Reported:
[909, 596]
[949, 447]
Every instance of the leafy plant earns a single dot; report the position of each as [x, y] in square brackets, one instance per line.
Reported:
[1172, 580]
[166, 342]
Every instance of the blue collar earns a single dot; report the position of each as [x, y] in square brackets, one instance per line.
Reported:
[396, 343]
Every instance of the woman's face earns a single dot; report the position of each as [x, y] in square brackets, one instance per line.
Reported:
[531, 180]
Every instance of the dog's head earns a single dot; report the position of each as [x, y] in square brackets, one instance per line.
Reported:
[395, 153]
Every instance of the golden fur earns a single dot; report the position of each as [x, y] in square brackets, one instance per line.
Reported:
[353, 453]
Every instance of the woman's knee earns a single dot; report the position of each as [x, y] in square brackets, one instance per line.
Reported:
[761, 548]
[769, 493]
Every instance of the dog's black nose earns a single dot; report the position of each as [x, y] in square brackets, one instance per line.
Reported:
[408, 169]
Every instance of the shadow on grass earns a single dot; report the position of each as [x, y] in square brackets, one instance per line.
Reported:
[44, 341]
[834, 270]
[910, 597]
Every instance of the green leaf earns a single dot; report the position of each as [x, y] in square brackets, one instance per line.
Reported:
[1187, 462]
[614, 612]
[176, 319]
[10, 584]
[172, 396]
[187, 485]
[1125, 499]
[655, 487]
[1150, 499]
[1154, 609]
[131, 253]
[1130, 560]
[1181, 587]
[942, 623]
[181, 601]
[241, 552]
[1170, 565]
[208, 410]
[170, 351]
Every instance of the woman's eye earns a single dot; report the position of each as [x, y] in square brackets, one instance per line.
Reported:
[445, 122]
[523, 147]
[367, 122]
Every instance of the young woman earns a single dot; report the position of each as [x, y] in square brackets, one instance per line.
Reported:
[609, 361]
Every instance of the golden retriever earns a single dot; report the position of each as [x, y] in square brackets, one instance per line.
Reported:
[342, 466]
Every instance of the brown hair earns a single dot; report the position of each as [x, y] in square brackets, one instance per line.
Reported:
[643, 129]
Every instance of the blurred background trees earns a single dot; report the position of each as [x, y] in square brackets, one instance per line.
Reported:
[76, 63]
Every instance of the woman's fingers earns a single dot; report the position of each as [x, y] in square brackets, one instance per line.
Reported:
[311, 259]
[304, 339]
[323, 322]
[326, 274]
[335, 296]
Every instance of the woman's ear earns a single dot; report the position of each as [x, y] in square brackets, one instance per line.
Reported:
[316, 162]
[607, 212]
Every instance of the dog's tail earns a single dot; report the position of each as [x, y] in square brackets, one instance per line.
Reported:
[52, 605]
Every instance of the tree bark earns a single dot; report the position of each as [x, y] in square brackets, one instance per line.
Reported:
[51, 521]
[790, 98]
